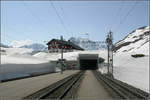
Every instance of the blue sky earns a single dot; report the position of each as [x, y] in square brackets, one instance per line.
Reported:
[41, 21]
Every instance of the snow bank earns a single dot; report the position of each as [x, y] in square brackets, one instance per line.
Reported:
[18, 62]
[5, 59]
[134, 71]
[8, 71]
[15, 66]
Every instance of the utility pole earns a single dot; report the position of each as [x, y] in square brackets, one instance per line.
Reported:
[108, 57]
[108, 41]
[61, 55]
[110, 53]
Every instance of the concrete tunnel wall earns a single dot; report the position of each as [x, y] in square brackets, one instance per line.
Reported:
[88, 61]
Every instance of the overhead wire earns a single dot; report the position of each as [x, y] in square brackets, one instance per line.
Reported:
[68, 24]
[116, 15]
[38, 20]
[119, 12]
[59, 17]
[125, 17]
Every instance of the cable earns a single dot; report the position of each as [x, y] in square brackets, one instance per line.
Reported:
[68, 24]
[59, 17]
[36, 17]
[118, 12]
[125, 17]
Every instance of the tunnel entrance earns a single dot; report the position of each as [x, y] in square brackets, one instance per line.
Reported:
[88, 61]
[88, 64]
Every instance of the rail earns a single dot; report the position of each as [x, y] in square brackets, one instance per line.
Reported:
[57, 90]
[122, 90]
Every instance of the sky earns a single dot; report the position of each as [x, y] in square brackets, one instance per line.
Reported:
[40, 21]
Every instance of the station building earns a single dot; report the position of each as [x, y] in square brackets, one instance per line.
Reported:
[55, 45]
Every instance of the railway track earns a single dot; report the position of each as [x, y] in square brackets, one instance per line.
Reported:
[120, 90]
[65, 88]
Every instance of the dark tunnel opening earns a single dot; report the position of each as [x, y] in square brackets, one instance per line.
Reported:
[88, 65]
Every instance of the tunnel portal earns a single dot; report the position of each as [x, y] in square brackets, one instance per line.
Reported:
[88, 61]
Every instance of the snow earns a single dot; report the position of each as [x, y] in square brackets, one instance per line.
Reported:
[8, 71]
[5, 59]
[136, 34]
[28, 44]
[134, 71]
[141, 46]
[45, 55]
[142, 49]
[18, 62]
[20, 43]
[17, 51]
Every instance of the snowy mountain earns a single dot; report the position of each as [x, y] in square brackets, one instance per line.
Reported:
[28, 44]
[135, 42]
[88, 44]
[35, 46]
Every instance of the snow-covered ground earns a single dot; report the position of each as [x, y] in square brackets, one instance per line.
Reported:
[17, 51]
[18, 62]
[134, 71]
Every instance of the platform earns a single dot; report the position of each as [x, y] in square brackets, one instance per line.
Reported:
[20, 88]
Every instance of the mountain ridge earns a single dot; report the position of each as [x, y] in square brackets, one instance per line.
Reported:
[134, 40]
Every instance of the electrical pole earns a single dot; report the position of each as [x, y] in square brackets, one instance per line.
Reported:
[61, 55]
[108, 59]
[107, 41]
[110, 53]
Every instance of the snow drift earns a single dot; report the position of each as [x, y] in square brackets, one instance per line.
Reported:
[134, 71]
[18, 62]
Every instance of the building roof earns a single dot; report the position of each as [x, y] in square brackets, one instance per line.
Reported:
[66, 43]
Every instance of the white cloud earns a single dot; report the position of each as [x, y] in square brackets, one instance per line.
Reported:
[21, 43]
